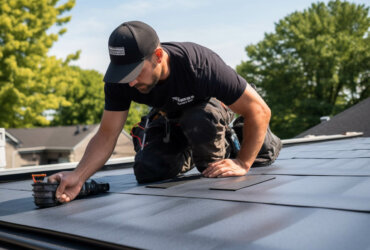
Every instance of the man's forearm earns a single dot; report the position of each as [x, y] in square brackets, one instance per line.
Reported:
[102, 144]
[256, 115]
[254, 133]
[96, 154]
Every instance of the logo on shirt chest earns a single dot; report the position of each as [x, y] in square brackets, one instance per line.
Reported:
[184, 100]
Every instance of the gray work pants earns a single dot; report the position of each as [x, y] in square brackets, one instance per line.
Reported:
[196, 137]
[200, 135]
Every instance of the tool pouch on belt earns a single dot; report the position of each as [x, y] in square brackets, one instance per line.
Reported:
[234, 142]
[270, 148]
[159, 148]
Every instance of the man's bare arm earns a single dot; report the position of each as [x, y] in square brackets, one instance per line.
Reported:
[96, 154]
[102, 144]
[256, 115]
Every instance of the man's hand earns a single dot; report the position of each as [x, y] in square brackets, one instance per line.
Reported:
[226, 168]
[69, 185]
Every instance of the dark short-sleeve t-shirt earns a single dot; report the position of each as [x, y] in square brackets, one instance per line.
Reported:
[196, 75]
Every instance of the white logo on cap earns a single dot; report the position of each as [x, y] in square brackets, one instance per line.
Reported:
[117, 51]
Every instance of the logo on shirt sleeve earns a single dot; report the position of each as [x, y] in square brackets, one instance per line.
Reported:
[184, 100]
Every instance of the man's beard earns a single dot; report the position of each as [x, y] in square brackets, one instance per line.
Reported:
[149, 87]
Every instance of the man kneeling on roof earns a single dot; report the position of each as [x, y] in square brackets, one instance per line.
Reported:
[194, 95]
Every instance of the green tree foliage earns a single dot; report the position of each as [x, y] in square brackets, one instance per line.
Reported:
[85, 99]
[316, 63]
[85, 102]
[30, 81]
[134, 116]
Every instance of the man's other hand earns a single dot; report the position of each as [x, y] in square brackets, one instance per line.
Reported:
[226, 168]
[69, 185]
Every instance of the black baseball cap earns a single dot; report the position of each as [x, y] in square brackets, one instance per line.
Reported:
[129, 45]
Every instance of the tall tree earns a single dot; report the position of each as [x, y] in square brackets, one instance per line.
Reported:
[85, 102]
[316, 63]
[85, 99]
[30, 81]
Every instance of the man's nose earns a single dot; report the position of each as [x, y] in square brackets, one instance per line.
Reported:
[133, 83]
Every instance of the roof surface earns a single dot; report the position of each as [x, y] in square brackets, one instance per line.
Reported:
[315, 196]
[354, 119]
[63, 136]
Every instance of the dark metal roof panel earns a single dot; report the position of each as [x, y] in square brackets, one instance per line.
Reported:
[314, 202]
[154, 222]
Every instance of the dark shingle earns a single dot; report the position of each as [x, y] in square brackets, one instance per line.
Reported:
[354, 119]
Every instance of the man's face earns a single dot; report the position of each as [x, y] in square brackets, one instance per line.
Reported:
[148, 77]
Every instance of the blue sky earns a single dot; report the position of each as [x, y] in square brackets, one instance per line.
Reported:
[223, 26]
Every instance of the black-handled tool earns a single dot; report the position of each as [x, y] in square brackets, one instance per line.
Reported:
[44, 192]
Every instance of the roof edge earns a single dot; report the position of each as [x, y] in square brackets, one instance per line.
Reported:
[11, 137]
[43, 148]
[316, 138]
[19, 173]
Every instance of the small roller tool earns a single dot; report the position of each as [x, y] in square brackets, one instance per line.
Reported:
[44, 192]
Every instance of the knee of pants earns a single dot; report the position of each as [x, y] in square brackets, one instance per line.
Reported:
[199, 126]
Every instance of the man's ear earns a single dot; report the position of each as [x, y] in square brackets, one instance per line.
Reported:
[159, 54]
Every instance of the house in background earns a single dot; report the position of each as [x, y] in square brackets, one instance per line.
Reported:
[354, 119]
[50, 145]
[8, 149]
[2, 148]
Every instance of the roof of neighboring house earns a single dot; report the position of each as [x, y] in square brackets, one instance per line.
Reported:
[354, 119]
[11, 138]
[51, 137]
[315, 196]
